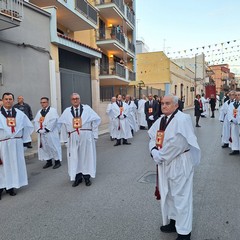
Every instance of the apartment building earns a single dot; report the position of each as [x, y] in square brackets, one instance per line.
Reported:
[90, 46]
[75, 55]
[223, 77]
[116, 38]
[24, 51]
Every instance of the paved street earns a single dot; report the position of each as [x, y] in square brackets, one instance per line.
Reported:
[120, 203]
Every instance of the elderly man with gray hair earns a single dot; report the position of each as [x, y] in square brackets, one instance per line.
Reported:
[79, 131]
[174, 148]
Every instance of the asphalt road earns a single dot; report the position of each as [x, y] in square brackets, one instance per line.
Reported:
[120, 203]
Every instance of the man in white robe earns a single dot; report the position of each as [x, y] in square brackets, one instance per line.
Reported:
[46, 125]
[176, 157]
[224, 119]
[141, 114]
[122, 129]
[15, 129]
[205, 106]
[79, 131]
[233, 118]
[132, 114]
[111, 118]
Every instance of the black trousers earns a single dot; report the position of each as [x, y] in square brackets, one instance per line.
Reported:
[85, 176]
[149, 123]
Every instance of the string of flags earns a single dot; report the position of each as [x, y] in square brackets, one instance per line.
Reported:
[218, 53]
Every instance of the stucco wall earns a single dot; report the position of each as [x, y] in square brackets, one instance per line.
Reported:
[25, 68]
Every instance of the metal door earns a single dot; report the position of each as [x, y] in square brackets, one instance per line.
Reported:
[75, 82]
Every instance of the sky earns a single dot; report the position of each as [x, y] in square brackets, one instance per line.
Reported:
[186, 24]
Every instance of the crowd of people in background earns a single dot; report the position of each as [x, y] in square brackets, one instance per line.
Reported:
[127, 115]
[204, 107]
[230, 118]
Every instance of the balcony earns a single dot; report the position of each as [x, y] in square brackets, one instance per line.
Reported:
[68, 43]
[131, 47]
[130, 16]
[76, 15]
[112, 41]
[11, 13]
[116, 75]
[131, 75]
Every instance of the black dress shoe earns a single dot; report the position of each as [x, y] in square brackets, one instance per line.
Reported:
[57, 164]
[88, 182]
[48, 164]
[235, 152]
[78, 180]
[169, 228]
[117, 143]
[198, 125]
[225, 145]
[11, 192]
[184, 237]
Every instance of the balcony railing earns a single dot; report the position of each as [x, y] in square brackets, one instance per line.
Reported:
[130, 16]
[104, 69]
[131, 75]
[115, 34]
[120, 4]
[12, 8]
[87, 9]
[120, 70]
[131, 46]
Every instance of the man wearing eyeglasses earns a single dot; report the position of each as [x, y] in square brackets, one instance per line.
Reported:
[175, 150]
[46, 125]
[15, 129]
[79, 131]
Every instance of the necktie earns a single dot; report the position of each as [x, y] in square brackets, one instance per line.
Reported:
[165, 122]
[76, 112]
[8, 113]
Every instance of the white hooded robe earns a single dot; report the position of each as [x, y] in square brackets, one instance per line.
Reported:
[50, 141]
[13, 173]
[81, 148]
[180, 153]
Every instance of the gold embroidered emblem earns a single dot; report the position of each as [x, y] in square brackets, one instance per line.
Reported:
[77, 122]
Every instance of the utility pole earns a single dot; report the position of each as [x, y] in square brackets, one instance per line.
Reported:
[195, 75]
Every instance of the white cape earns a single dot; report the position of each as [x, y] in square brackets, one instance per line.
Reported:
[13, 173]
[180, 152]
[81, 148]
[121, 126]
[50, 141]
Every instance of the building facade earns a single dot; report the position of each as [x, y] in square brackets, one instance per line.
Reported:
[223, 78]
[158, 72]
[89, 48]
[25, 52]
